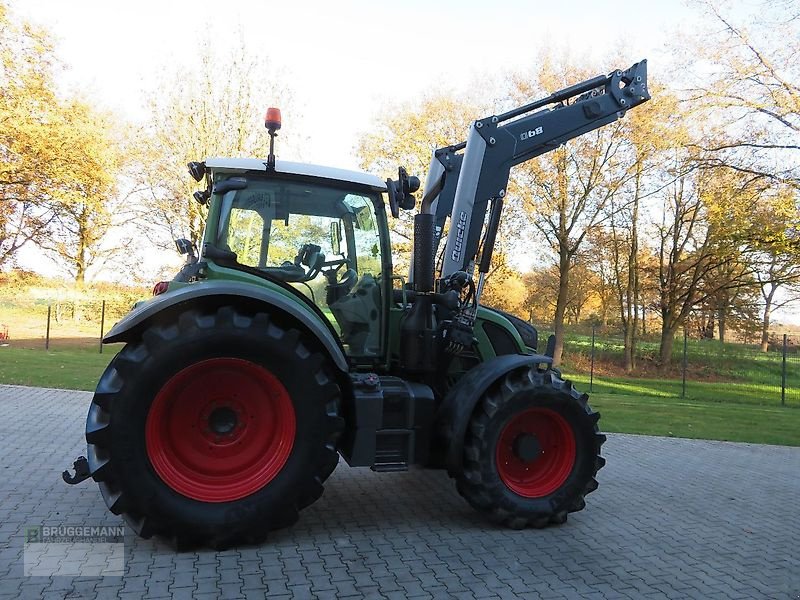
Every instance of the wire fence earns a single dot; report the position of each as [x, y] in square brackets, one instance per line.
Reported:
[699, 369]
[59, 325]
[702, 369]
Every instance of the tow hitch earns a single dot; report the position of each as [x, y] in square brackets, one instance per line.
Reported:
[81, 466]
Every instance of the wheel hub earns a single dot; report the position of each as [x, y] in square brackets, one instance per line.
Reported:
[526, 447]
[222, 420]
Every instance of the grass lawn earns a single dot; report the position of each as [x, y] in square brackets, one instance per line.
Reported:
[706, 391]
[646, 407]
[71, 369]
[697, 419]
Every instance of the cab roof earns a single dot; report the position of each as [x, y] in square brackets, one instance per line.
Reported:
[239, 165]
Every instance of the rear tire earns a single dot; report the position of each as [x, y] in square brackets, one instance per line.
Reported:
[214, 429]
[531, 452]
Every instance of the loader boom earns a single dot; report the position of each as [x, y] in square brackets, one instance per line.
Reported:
[460, 186]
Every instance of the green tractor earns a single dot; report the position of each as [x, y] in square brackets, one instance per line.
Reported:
[288, 341]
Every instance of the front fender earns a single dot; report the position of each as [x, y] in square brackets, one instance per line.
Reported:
[218, 293]
[459, 403]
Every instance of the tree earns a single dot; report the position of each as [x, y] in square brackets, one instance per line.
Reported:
[598, 259]
[214, 110]
[732, 299]
[780, 272]
[505, 287]
[541, 286]
[542, 291]
[749, 79]
[84, 206]
[706, 226]
[746, 84]
[651, 131]
[33, 160]
[565, 192]
[778, 254]
[582, 292]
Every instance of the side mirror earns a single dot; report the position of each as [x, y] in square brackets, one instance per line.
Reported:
[336, 237]
[401, 192]
[408, 185]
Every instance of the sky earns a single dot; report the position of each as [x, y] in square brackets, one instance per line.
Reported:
[343, 60]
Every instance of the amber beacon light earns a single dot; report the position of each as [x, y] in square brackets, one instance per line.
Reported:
[273, 119]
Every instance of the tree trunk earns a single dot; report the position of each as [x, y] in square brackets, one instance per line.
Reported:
[722, 324]
[766, 319]
[635, 326]
[632, 285]
[563, 257]
[644, 322]
[708, 326]
[80, 254]
[80, 272]
[667, 341]
[765, 330]
[628, 356]
[561, 307]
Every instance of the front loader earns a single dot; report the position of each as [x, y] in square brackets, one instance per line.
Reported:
[287, 341]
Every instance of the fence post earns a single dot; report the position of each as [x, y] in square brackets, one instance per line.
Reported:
[783, 373]
[102, 324]
[685, 345]
[591, 368]
[47, 333]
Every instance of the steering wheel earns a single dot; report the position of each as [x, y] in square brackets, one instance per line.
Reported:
[338, 262]
[332, 274]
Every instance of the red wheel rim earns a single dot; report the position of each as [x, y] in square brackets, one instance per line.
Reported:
[543, 474]
[220, 430]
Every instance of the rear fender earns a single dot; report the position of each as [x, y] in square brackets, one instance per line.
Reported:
[213, 294]
[460, 402]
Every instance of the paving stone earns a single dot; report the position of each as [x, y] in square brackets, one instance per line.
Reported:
[672, 518]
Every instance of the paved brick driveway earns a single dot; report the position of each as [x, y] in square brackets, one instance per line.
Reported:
[672, 519]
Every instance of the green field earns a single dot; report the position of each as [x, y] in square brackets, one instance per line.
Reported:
[72, 369]
[696, 419]
[706, 359]
[704, 391]
[715, 372]
[651, 407]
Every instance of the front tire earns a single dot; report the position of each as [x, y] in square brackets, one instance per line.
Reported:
[532, 451]
[214, 429]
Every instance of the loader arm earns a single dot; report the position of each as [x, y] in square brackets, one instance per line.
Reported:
[461, 186]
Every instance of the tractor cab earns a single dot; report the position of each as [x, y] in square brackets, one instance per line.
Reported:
[320, 231]
[314, 229]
